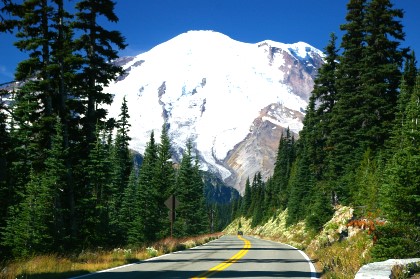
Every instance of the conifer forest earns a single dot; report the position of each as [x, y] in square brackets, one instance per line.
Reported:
[69, 181]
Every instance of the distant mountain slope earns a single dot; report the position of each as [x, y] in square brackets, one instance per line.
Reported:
[232, 99]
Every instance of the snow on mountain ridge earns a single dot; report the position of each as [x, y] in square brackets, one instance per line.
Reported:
[210, 88]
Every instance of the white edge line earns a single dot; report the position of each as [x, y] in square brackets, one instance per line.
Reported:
[121, 266]
[311, 265]
[139, 262]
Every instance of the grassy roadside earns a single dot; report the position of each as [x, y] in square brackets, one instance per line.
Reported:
[338, 251]
[55, 266]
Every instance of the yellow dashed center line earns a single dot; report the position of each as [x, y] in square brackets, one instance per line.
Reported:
[227, 263]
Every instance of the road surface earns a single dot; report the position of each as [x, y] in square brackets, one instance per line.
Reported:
[227, 257]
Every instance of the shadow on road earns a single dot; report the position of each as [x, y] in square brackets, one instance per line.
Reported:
[169, 274]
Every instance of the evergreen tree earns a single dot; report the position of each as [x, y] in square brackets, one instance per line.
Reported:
[381, 74]
[5, 149]
[320, 108]
[283, 164]
[27, 231]
[247, 199]
[165, 181]
[121, 165]
[128, 206]
[96, 46]
[26, 148]
[55, 180]
[406, 88]
[410, 71]
[191, 215]
[144, 227]
[300, 185]
[94, 204]
[400, 190]
[269, 199]
[401, 186]
[257, 205]
[320, 209]
[365, 190]
[367, 87]
[345, 118]
[35, 224]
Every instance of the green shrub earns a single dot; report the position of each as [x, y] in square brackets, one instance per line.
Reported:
[396, 241]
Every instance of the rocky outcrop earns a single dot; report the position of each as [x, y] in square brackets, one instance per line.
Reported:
[384, 270]
[258, 151]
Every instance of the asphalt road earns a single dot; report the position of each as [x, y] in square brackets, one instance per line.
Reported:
[227, 257]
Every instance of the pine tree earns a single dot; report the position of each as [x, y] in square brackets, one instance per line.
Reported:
[367, 87]
[128, 207]
[381, 74]
[121, 166]
[26, 148]
[27, 231]
[284, 160]
[410, 71]
[406, 88]
[401, 187]
[144, 227]
[320, 108]
[35, 224]
[96, 45]
[55, 180]
[345, 118]
[5, 149]
[191, 215]
[247, 199]
[94, 203]
[257, 205]
[300, 184]
[365, 190]
[165, 181]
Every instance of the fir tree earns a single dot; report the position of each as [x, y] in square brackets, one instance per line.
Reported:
[381, 74]
[320, 108]
[345, 119]
[144, 227]
[165, 181]
[401, 187]
[5, 149]
[94, 204]
[35, 224]
[96, 45]
[284, 160]
[191, 215]
[128, 206]
[247, 199]
[27, 229]
[55, 180]
[121, 165]
[257, 205]
[365, 190]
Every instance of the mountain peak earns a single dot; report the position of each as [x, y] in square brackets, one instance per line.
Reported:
[232, 99]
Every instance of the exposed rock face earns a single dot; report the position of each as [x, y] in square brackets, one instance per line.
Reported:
[383, 270]
[233, 100]
[258, 151]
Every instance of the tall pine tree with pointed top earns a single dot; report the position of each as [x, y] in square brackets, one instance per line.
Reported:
[144, 227]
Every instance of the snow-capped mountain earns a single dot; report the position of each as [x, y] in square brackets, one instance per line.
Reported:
[232, 99]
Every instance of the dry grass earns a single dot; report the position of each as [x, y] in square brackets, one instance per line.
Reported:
[334, 257]
[54, 266]
[344, 258]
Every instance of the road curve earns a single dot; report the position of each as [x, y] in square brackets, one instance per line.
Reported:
[227, 257]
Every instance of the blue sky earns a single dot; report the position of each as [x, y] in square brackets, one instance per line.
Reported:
[147, 23]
